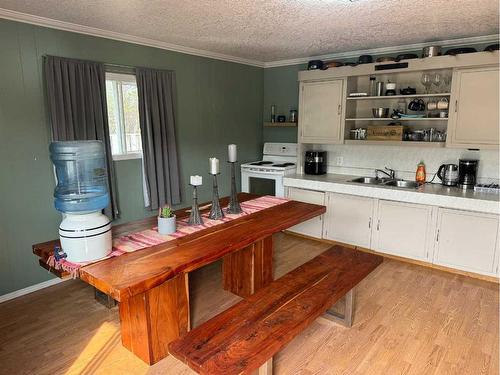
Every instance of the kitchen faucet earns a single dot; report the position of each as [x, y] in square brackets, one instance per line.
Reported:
[391, 173]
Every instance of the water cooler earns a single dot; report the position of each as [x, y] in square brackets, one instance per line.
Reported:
[80, 195]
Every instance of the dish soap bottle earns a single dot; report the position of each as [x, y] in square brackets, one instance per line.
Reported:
[420, 174]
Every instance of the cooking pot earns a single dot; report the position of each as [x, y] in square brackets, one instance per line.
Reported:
[408, 91]
[385, 59]
[365, 59]
[458, 51]
[314, 64]
[406, 56]
[431, 51]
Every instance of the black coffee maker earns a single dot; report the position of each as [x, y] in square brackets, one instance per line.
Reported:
[315, 162]
[467, 173]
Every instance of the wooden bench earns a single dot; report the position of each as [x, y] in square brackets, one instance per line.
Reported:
[246, 336]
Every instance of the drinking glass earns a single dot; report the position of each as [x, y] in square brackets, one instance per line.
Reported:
[426, 80]
[437, 81]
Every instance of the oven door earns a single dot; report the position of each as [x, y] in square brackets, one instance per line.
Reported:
[262, 183]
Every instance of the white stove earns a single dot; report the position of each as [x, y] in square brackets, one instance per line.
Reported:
[279, 159]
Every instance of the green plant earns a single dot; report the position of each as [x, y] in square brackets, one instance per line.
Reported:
[165, 212]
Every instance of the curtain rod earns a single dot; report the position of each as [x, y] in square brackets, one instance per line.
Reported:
[112, 65]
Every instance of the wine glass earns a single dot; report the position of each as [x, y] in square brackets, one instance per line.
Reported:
[426, 80]
[437, 81]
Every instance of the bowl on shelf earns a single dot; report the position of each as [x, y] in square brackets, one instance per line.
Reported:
[380, 112]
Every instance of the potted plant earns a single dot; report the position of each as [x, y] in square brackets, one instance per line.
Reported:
[166, 220]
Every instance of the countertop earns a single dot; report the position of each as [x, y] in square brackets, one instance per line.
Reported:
[429, 194]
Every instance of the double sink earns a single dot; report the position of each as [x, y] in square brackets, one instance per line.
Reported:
[384, 181]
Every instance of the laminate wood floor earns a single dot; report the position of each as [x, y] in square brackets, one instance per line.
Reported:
[408, 320]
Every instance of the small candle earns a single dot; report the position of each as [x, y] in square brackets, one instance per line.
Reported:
[196, 180]
[232, 154]
[214, 165]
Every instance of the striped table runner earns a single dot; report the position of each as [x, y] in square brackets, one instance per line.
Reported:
[150, 237]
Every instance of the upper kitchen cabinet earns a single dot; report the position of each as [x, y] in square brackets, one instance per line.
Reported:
[321, 111]
[474, 107]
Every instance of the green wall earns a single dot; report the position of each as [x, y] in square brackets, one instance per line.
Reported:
[218, 103]
[281, 88]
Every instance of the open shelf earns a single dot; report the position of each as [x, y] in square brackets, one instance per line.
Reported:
[399, 119]
[280, 124]
[382, 97]
[394, 143]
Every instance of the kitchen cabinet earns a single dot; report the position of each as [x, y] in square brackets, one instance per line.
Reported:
[349, 219]
[313, 227]
[467, 241]
[404, 229]
[473, 117]
[321, 111]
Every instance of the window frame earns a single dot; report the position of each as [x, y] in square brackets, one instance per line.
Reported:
[123, 77]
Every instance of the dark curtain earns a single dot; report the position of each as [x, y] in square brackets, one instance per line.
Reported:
[76, 97]
[156, 90]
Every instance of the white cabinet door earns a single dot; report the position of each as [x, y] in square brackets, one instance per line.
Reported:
[349, 219]
[403, 229]
[321, 111]
[313, 227]
[467, 241]
[474, 108]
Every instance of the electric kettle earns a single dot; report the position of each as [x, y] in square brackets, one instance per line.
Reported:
[448, 174]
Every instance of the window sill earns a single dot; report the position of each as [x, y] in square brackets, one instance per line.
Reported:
[127, 156]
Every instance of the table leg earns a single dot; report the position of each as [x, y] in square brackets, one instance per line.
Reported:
[247, 270]
[151, 320]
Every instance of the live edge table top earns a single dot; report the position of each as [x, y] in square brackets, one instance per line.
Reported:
[133, 273]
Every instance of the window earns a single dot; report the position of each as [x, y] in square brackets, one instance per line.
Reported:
[123, 116]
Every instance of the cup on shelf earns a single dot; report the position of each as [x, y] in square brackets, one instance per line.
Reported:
[442, 103]
[431, 105]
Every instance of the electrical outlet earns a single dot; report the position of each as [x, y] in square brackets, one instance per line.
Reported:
[339, 160]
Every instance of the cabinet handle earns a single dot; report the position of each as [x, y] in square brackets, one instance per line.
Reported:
[456, 105]
[369, 222]
[378, 224]
[339, 111]
[437, 236]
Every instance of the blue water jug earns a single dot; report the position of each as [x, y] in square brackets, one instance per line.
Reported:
[81, 176]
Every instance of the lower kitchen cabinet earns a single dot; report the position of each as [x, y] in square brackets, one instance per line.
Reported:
[349, 219]
[404, 229]
[313, 227]
[467, 241]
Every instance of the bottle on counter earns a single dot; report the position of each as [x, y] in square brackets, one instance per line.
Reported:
[420, 174]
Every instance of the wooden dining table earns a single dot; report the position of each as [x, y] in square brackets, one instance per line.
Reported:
[151, 284]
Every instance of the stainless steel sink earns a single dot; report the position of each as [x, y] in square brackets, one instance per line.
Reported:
[402, 184]
[367, 180]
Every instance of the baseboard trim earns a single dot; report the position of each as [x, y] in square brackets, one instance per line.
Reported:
[31, 289]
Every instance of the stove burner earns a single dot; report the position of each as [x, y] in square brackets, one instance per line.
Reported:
[261, 163]
[283, 165]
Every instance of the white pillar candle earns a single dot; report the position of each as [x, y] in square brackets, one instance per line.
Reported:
[214, 165]
[232, 154]
[196, 180]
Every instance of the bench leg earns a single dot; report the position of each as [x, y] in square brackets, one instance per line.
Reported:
[346, 319]
[247, 270]
[266, 368]
[149, 321]
[104, 299]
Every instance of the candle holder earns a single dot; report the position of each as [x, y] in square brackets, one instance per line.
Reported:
[234, 204]
[195, 217]
[215, 212]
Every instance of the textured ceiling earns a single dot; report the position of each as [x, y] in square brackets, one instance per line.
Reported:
[270, 30]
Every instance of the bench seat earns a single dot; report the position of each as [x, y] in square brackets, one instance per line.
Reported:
[247, 335]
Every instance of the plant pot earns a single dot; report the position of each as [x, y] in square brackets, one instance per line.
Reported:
[166, 225]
